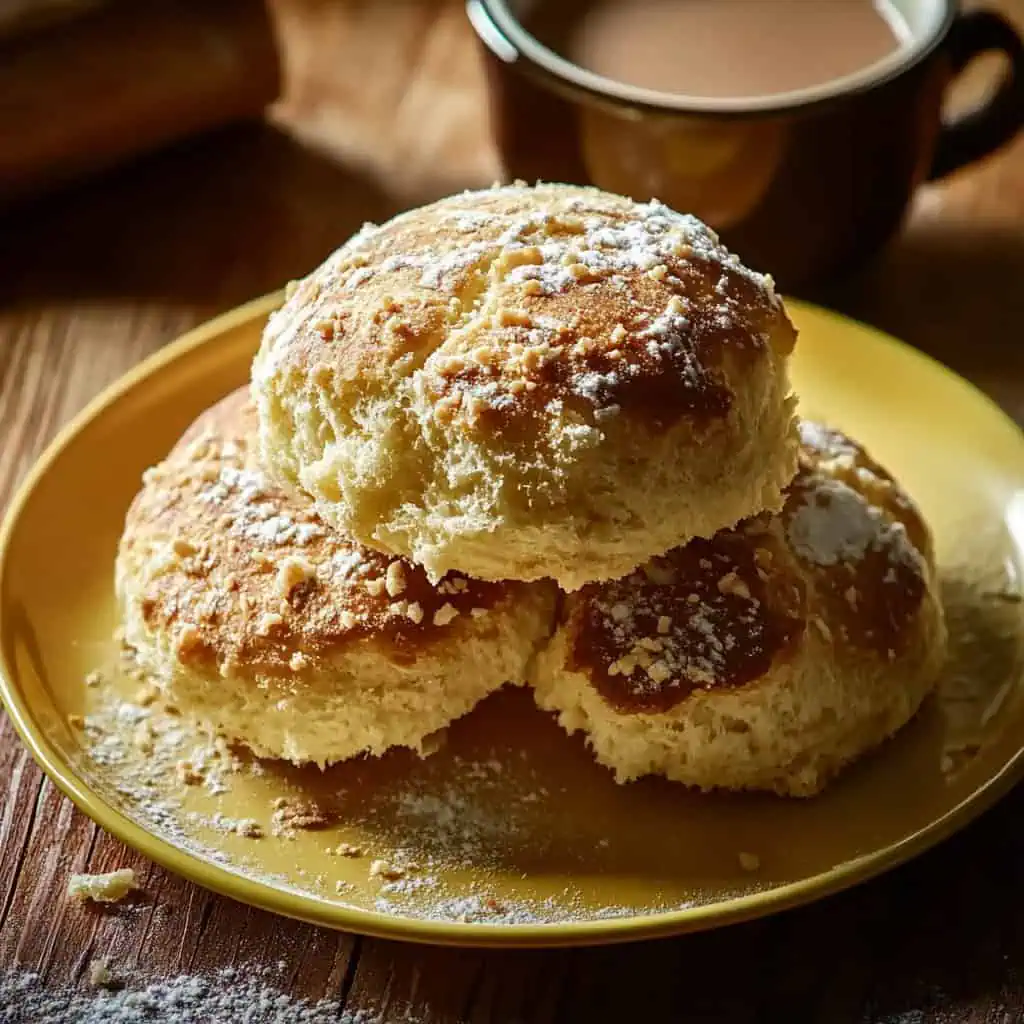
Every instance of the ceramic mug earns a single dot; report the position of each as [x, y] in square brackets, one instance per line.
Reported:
[803, 184]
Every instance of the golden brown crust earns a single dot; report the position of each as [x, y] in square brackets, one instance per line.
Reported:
[244, 576]
[849, 556]
[507, 300]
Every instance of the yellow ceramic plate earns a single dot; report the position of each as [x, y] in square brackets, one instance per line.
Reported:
[511, 834]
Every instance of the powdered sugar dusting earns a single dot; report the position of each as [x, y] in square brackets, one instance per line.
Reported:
[437, 268]
[605, 247]
[357, 277]
[825, 440]
[582, 236]
[140, 746]
[494, 347]
[249, 994]
[255, 509]
[834, 524]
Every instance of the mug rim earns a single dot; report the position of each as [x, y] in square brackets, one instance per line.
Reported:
[515, 42]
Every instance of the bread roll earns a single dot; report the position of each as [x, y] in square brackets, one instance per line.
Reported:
[769, 656]
[530, 382]
[265, 626]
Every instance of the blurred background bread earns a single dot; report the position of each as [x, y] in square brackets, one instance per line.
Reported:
[529, 382]
[264, 626]
[769, 656]
[87, 85]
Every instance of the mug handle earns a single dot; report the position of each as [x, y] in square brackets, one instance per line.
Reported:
[995, 122]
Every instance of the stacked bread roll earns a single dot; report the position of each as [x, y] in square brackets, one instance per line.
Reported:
[534, 435]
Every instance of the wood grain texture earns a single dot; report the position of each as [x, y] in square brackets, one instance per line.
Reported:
[98, 277]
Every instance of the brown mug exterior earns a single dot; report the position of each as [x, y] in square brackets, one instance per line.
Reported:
[805, 193]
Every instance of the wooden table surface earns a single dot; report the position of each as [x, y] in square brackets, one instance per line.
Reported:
[98, 277]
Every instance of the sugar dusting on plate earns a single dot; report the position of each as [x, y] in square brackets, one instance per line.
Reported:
[425, 840]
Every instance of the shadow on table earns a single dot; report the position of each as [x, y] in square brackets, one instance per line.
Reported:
[212, 222]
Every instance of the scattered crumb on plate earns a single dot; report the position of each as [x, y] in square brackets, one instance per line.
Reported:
[749, 861]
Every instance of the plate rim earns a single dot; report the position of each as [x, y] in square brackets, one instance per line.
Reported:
[307, 907]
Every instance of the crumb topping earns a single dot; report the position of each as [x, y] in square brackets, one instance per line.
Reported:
[501, 306]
